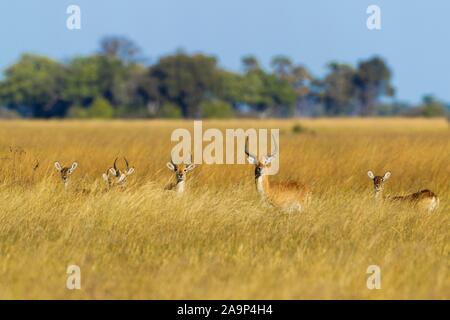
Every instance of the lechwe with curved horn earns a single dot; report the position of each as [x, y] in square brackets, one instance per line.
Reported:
[115, 176]
[180, 171]
[424, 199]
[290, 196]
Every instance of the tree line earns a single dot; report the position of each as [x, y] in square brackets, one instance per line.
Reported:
[117, 82]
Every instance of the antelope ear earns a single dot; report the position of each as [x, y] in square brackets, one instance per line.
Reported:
[130, 171]
[371, 175]
[190, 167]
[252, 160]
[171, 166]
[73, 167]
[122, 178]
[268, 160]
[386, 176]
[58, 166]
[112, 171]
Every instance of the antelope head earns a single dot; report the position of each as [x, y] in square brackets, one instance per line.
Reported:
[180, 171]
[116, 176]
[378, 182]
[262, 163]
[65, 172]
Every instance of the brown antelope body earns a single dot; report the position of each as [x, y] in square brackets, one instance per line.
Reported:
[290, 196]
[115, 176]
[424, 199]
[65, 172]
[180, 171]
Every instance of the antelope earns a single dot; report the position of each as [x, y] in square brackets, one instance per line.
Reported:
[115, 176]
[424, 199]
[290, 196]
[181, 171]
[66, 172]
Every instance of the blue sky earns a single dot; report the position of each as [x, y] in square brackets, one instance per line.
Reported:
[414, 38]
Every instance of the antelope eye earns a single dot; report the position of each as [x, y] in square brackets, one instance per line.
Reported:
[184, 170]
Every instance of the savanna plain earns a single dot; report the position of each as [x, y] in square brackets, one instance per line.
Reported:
[218, 241]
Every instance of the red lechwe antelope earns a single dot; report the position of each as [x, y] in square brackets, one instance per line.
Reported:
[290, 196]
[424, 199]
[65, 172]
[180, 174]
[115, 176]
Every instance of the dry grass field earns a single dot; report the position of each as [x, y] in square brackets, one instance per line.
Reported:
[217, 241]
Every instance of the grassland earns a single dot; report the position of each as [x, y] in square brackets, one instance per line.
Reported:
[218, 241]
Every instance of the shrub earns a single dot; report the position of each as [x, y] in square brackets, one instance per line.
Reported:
[430, 107]
[217, 109]
[78, 112]
[298, 128]
[100, 108]
[433, 110]
[169, 110]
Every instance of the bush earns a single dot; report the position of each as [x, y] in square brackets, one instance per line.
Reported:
[77, 112]
[433, 110]
[217, 109]
[170, 110]
[430, 107]
[298, 128]
[100, 108]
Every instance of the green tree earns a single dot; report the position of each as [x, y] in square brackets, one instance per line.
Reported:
[278, 96]
[338, 90]
[186, 81]
[125, 82]
[34, 84]
[123, 85]
[252, 86]
[301, 81]
[250, 63]
[121, 48]
[263, 92]
[431, 107]
[372, 81]
[83, 82]
[282, 66]
[231, 87]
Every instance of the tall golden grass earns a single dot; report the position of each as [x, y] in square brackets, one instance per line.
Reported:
[218, 241]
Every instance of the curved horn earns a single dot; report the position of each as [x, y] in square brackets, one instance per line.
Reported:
[190, 158]
[274, 153]
[126, 162]
[247, 152]
[115, 164]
